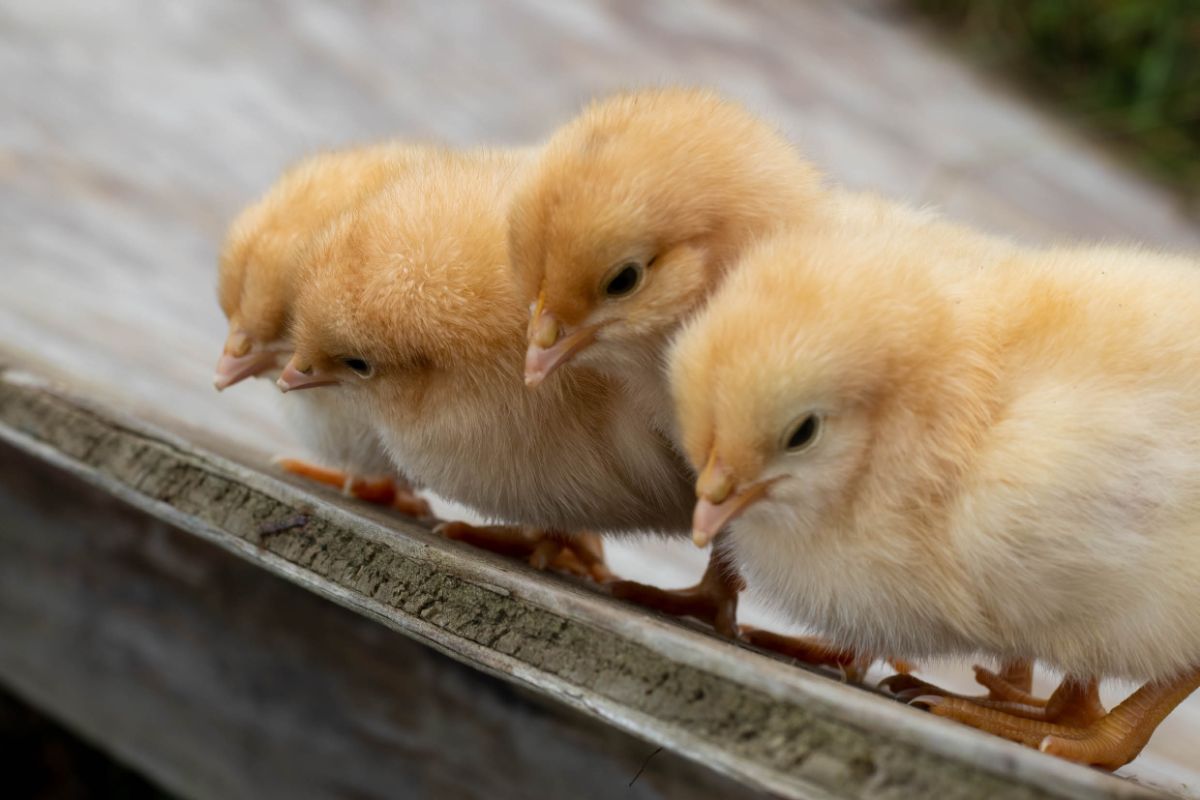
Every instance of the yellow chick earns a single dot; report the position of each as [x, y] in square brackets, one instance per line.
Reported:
[408, 311]
[926, 452]
[624, 224]
[630, 216]
[258, 268]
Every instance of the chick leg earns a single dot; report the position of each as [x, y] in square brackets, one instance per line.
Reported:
[384, 491]
[712, 600]
[581, 554]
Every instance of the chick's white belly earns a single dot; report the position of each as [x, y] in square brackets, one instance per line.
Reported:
[328, 427]
[872, 606]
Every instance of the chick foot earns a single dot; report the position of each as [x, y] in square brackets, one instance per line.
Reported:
[1117, 738]
[808, 651]
[581, 555]
[713, 600]
[1072, 723]
[381, 491]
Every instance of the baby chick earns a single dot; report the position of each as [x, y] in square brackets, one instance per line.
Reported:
[408, 312]
[927, 452]
[623, 226]
[259, 263]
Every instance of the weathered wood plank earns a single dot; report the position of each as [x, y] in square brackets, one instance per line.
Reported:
[770, 726]
[220, 680]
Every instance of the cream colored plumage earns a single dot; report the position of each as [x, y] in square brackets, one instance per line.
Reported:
[408, 307]
[1006, 460]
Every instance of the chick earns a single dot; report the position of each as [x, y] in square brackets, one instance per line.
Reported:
[409, 313]
[928, 453]
[623, 226]
[259, 263]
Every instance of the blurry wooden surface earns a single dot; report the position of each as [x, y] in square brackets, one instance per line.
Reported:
[133, 131]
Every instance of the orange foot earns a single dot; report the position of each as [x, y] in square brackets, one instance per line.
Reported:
[381, 491]
[579, 554]
[1073, 723]
[712, 600]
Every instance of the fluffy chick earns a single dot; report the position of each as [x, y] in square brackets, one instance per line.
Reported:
[257, 284]
[408, 311]
[925, 452]
[630, 216]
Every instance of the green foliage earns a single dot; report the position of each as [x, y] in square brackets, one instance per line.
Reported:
[1130, 69]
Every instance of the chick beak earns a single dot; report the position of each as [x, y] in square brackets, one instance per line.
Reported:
[298, 376]
[719, 500]
[550, 346]
[240, 361]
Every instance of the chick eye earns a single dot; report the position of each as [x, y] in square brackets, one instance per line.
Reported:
[802, 434]
[624, 280]
[359, 366]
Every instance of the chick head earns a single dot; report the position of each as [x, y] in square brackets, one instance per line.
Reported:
[626, 220]
[409, 291]
[254, 289]
[782, 384]
[265, 248]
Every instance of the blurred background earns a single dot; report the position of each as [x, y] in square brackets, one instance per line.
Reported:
[134, 131]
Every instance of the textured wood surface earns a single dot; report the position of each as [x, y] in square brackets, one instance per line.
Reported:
[134, 131]
[217, 679]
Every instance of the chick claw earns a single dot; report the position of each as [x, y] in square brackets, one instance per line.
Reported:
[581, 555]
[381, 491]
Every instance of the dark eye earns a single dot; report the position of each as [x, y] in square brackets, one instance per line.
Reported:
[625, 280]
[359, 366]
[803, 433]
